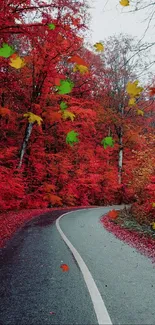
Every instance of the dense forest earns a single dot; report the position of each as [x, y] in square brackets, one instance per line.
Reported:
[76, 126]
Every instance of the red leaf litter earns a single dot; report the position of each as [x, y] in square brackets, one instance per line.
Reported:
[143, 244]
[11, 221]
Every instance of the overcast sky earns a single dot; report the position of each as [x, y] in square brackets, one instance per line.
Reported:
[110, 18]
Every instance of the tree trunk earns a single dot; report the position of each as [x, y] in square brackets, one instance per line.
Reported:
[120, 154]
[120, 158]
[3, 99]
[26, 138]
[109, 134]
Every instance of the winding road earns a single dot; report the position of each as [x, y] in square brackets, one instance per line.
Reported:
[108, 282]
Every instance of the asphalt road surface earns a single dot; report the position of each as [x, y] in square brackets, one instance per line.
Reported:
[108, 282]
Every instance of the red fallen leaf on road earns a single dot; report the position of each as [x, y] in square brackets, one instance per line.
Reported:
[64, 267]
[52, 313]
[113, 214]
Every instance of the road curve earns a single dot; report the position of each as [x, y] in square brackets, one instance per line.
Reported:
[34, 290]
[98, 303]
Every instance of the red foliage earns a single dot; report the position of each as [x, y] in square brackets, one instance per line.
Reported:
[85, 173]
[11, 189]
[143, 210]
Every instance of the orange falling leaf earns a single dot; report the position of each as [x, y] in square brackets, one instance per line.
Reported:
[64, 267]
[152, 91]
[13, 56]
[67, 27]
[49, 187]
[4, 111]
[76, 59]
[53, 117]
[75, 21]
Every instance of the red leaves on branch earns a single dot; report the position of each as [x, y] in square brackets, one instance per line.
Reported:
[86, 174]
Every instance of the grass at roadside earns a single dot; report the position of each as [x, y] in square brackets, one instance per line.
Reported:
[127, 221]
[127, 229]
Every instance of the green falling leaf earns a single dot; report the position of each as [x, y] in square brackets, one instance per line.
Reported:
[6, 50]
[51, 26]
[65, 87]
[63, 106]
[71, 138]
[108, 141]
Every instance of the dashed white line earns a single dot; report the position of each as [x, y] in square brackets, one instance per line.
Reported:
[98, 303]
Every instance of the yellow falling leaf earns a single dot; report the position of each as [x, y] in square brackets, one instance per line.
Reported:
[124, 3]
[140, 112]
[17, 62]
[81, 68]
[67, 114]
[153, 204]
[99, 47]
[132, 101]
[153, 225]
[133, 90]
[32, 118]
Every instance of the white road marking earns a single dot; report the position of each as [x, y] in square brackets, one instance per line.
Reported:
[98, 303]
